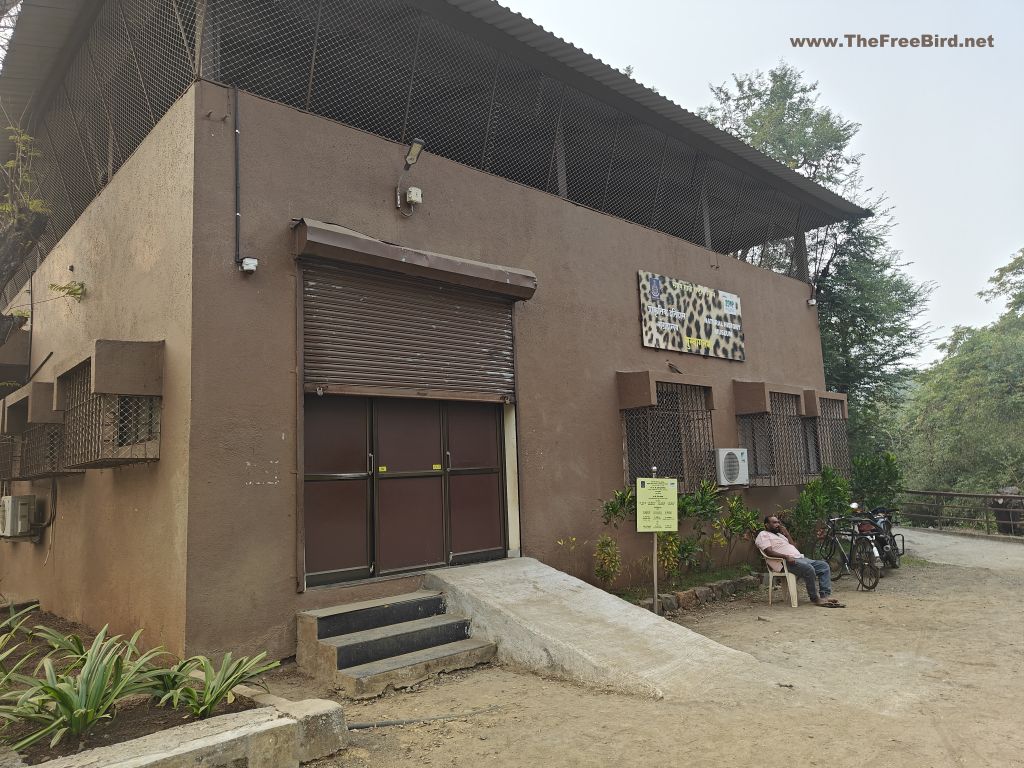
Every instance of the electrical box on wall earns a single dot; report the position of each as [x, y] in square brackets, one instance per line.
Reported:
[732, 466]
[16, 515]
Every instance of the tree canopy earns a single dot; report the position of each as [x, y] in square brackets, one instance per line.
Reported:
[869, 308]
[962, 421]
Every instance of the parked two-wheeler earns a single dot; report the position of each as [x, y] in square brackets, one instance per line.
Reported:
[878, 524]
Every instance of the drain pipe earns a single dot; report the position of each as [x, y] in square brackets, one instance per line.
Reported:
[246, 266]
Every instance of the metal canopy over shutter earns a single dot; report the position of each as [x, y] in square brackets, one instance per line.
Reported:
[367, 331]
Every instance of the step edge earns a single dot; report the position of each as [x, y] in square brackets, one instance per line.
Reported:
[378, 602]
[401, 628]
[466, 646]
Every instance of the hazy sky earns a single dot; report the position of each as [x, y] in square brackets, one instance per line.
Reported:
[942, 129]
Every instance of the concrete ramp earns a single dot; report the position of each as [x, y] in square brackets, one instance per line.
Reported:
[546, 621]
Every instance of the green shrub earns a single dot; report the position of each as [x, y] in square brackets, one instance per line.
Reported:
[607, 562]
[689, 553]
[876, 479]
[741, 523]
[702, 508]
[217, 684]
[71, 703]
[619, 508]
[822, 498]
[668, 554]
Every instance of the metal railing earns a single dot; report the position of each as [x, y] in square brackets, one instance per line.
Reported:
[991, 513]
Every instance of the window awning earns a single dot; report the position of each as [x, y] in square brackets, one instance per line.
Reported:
[336, 243]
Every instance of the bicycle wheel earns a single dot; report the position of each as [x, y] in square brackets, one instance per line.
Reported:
[864, 566]
[894, 553]
[829, 551]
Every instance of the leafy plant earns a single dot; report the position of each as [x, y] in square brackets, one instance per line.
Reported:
[217, 684]
[75, 289]
[740, 523]
[876, 479]
[668, 554]
[168, 679]
[702, 508]
[690, 553]
[63, 647]
[63, 704]
[620, 507]
[570, 545]
[607, 561]
[10, 628]
[824, 497]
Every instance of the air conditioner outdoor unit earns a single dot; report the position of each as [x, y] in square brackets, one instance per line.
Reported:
[732, 466]
[16, 515]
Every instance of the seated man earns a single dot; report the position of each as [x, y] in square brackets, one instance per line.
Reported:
[775, 541]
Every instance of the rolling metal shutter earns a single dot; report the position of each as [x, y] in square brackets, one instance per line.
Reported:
[373, 330]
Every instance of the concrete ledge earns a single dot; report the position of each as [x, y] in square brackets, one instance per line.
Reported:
[258, 738]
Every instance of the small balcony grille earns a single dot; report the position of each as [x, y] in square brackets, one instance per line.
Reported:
[106, 430]
[112, 430]
[42, 452]
[10, 457]
[674, 435]
[782, 446]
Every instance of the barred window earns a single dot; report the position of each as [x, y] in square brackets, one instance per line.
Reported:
[831, 427]
[781, 445]
[675, 436]
[107, 430]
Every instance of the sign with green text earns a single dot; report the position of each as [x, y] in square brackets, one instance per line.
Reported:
[656, 504]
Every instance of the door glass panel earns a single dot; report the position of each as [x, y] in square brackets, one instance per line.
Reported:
[408, 435]
[410, 522]
[476, 512]
[337, 525]
[473, 435]
[335, 434]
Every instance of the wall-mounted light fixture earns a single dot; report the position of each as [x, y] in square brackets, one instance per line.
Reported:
[412, 196]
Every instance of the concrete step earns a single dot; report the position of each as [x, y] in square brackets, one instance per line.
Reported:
[356, 648]
[369, 614]
[404, 670]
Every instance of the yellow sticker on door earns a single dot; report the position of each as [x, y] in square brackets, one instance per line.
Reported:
[437, 466]
[382, 469]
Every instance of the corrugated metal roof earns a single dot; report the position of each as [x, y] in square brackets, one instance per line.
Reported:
[684, 124]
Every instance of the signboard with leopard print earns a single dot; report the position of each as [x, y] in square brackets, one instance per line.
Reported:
[687, 317]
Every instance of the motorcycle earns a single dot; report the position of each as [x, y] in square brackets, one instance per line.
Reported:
[878, 524]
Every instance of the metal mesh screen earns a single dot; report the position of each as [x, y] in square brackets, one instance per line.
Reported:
[395, 70]
[42, 451]
[782, 446]
[675, 436]
[10, 457]
[831, 426]
[105, 430]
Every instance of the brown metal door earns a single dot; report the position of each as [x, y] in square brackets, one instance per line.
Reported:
[409, 482]
[337, 489]
[476, 519]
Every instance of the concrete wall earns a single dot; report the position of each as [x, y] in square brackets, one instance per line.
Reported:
[581, 327]
[116, 551]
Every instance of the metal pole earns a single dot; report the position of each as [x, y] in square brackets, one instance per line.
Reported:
[654, 606]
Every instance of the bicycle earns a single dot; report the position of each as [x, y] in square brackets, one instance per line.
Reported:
[859, 559]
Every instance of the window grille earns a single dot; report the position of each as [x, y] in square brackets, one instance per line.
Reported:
[10, 457]
[393, 69]
[831, 426]
[106, 430]
[42, 452]
[781, 446]
[675, 436]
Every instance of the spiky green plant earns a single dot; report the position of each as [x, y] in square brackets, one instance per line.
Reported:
[218, 683]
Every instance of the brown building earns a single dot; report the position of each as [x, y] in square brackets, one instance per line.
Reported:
[279, 382]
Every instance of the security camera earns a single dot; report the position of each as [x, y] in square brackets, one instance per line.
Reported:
[249, 265]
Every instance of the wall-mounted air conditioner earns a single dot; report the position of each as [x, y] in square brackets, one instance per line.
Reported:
[732, 466]
[16, 515]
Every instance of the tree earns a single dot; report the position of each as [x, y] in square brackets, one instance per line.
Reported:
[868, 306]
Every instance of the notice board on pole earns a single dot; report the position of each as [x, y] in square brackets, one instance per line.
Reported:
[657, 504]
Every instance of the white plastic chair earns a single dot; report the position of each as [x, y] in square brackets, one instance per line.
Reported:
[783, 574]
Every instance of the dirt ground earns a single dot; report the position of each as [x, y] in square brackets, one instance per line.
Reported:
[925, 671]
